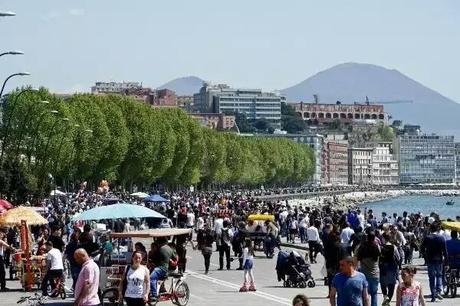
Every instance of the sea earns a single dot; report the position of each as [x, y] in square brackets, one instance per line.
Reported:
[416, 204]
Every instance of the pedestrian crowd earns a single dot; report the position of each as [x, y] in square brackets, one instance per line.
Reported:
[361, 251]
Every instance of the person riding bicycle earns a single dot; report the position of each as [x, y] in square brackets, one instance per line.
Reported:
[162, 260]
[54, 267]
[453, 251]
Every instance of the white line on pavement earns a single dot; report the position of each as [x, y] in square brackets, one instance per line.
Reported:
[261, 294]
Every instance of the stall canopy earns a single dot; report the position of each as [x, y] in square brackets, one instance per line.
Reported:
[160, 232]
[155, 198]
[14, 217]
[140, 195]
[118, 211]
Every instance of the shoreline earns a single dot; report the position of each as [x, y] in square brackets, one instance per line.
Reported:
[356, 199]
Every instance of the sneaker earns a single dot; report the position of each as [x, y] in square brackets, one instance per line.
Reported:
[433, 299]
[439, 296]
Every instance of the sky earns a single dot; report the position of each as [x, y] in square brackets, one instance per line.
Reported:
[268, 44]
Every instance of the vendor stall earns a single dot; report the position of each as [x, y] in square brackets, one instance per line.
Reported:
[29, 269]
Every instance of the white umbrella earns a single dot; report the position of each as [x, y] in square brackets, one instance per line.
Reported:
[140, 195]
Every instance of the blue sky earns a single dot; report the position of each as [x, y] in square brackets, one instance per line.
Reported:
[259, 43]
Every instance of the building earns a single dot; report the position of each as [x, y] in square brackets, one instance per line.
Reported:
[385, 170]
[360, 166]
[215, 121]
[457, 162]
[254, 103]
[426, 159]
[163, 97]
[335, 164]
[346, 114]
[185, 102]
[116, 87]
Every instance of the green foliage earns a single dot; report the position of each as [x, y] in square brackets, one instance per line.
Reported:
[121, 140]
[386, 133]
[291, 121]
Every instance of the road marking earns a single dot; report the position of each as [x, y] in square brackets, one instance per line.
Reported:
[261, 294]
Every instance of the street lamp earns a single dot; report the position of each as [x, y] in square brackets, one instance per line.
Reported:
[26, 123]
[7, 14]
[11, 113]
[9, 77]
[14, 52]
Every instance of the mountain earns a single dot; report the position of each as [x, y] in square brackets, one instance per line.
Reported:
[352, 82]
[185, 86]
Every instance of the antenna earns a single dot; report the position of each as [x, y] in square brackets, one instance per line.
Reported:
[316, 98]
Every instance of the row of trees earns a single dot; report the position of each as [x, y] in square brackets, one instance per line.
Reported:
[89, 137]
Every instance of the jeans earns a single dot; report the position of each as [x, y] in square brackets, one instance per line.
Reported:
[303, 234]
[224, 249]
[157, 274]
[313, 250]
[373, 288]
[435, 276]
[74, 271]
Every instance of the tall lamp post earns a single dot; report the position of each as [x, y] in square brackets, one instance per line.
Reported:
[11, 76]
[7, 14]
[14, 52]
[11, 113]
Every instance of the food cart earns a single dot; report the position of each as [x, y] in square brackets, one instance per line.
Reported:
[28, 269]
[258, 237]
[110, 277]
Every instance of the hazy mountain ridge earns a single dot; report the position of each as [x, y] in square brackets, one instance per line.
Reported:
[185, 86]
[352, 82]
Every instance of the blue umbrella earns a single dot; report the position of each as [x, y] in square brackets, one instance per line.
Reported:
[155, 198]
[118, 211]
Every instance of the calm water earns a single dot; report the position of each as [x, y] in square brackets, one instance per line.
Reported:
[423, 204]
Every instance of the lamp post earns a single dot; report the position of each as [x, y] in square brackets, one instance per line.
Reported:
[37, 129]
[11, 76]
[7, 14]
[74, 152]
[26, 121]
[14, 52]
[11, 113]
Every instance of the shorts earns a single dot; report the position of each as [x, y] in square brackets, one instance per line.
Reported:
[248, 264]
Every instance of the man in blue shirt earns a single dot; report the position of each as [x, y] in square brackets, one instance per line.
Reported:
[434, 248]
[453, 251]
[349, 285]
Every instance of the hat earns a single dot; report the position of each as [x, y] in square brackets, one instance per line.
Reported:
[430, 220]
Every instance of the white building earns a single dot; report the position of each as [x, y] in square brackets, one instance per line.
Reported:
[115, 87]
[385, 170]
[360, 166]
[254, 103]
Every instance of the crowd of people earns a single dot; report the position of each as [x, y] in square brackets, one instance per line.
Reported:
[361, 251]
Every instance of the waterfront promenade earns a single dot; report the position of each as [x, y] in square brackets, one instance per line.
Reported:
[221, 287]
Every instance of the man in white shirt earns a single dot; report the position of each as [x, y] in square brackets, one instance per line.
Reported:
[303, 225]
[345, 237]
[314, 242]
[54, 266]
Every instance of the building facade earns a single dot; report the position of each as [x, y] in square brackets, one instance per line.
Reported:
[321, 114]
[457, 163]
[163, 97]
[426, 159]
[385, 170]
[335, 165]
[116, 87]
[215, 121]
[254, 103]
[360, 166]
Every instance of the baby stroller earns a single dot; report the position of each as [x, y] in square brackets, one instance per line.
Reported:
[292, 269]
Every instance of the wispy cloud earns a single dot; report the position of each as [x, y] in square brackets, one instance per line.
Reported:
[51, 15]
[76, 12]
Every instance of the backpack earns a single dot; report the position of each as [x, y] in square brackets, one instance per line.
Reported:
[225, 237]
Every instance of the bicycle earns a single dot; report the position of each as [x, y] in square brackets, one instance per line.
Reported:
[59, 288]
[452, 282]
[178, 293]
[35, 300]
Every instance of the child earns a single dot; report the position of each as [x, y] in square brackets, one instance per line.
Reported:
[409, 291]
[248, 262]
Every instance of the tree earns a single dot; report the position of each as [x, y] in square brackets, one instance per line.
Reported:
[291, 121]
[262, 124]
[244, 125]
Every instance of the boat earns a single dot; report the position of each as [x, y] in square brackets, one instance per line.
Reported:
[450, 203]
